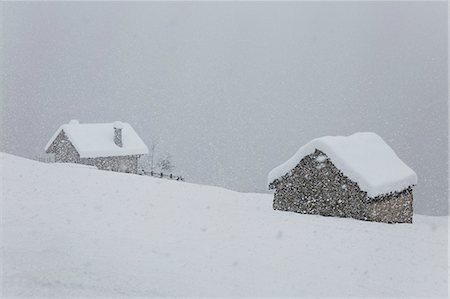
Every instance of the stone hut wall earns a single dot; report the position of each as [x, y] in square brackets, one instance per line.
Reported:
[127, 164]
[64, 150]
[316, 186]
[393, 208]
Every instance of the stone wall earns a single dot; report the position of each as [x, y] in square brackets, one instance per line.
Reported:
[316, 186]
[393, 208]
[127, 164]
[65, 152]
[63, 149]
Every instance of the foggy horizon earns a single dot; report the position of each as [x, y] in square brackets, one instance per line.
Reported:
[232, 90]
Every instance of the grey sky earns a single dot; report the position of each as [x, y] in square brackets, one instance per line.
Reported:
[231, 90]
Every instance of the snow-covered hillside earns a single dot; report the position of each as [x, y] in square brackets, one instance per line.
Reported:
[76, 231]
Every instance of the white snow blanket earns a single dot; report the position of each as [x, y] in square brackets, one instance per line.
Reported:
[97, 140]
[76, 232]
[363, 157]
[74, 165]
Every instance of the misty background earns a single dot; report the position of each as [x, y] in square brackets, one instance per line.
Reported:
[232, 90]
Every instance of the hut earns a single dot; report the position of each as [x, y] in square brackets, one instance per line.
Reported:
[357, 176]
[108, 146]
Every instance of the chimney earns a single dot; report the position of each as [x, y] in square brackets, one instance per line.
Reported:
[118, 126]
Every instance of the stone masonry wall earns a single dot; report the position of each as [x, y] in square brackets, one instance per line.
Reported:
[127, 164]
[393, 208]
[64, 150]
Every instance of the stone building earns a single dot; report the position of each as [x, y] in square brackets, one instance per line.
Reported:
[108, 146]
[357, 176]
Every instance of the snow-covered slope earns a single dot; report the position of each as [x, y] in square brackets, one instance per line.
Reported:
[70, 231]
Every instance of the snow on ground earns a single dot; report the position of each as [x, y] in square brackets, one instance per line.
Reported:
[82, 232]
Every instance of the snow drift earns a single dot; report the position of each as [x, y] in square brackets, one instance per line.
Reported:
[69, 231]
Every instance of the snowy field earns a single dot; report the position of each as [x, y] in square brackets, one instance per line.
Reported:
[75, 231]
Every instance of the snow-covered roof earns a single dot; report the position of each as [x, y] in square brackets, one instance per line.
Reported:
[363, 157]
[97, 140]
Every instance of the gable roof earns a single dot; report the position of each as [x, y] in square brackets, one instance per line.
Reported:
[97, 140]
[363, 157]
